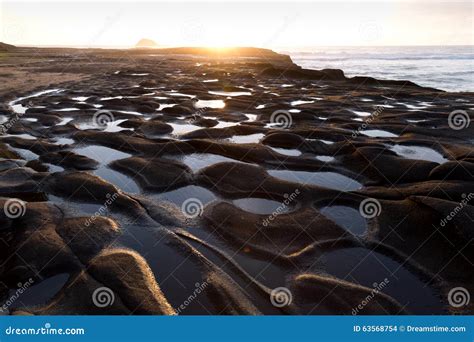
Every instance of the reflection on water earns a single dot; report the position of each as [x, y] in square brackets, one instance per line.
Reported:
[209, 104]
[197, 161]
[378, 133]
[346, 217]
[419, 152]
[331, 180]
[261, 206]
[247, 139]
[366, 267]
[180, 195]
[287, 151]
[104, 155]
[230, 93]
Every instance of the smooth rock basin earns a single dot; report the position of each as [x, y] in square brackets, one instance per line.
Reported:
[367, 268]
[419, 152]
[331, 180]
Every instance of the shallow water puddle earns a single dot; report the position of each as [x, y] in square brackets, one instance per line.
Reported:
[104, 156]
[20, 109]
[101, 154]
[224, 124]
[378, 133]
[261, 206]
[179, 129]
[326, 159]
[54, 168]
[118, 179]
[198, 161]
[300, 102]
[251, 117]
[173, 93]
[286, 151]
[360, 113]
[178, 276]
[209, 104]
[28, 119]
[24, 153]
[416, 121]
[64, 121]
[80, 98]
[331, 180]
[64, 141]
[247, 139]
[367, 268]
[180, 195]
[231, 93]
[419, 152]
[112, 126]
[166, 105]
[24, 136]
[346, 217]
[72, 109]
[327, 142]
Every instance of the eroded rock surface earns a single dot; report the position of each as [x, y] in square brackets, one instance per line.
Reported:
[189, 184]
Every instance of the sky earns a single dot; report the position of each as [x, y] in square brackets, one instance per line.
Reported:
[268, 24]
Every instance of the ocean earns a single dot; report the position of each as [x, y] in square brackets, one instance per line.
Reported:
[448, 68]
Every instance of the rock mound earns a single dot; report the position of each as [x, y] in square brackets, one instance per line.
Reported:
[146, 43]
